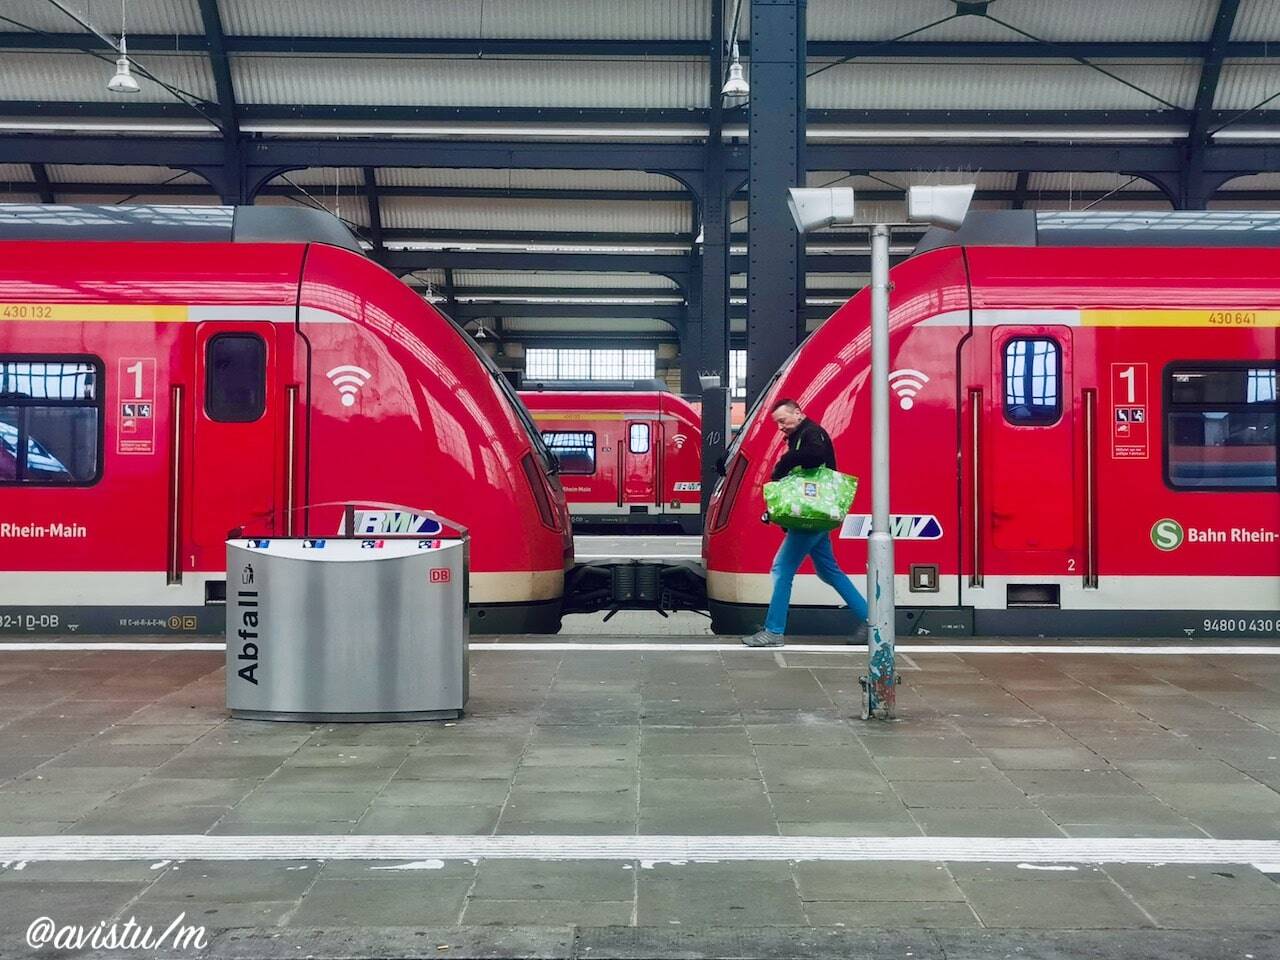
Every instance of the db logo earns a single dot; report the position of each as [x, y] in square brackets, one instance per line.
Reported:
[441, 575]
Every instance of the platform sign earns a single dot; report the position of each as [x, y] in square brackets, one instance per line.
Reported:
[1130, 437]
[136, 423]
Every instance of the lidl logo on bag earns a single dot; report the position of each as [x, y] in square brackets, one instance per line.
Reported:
[921, 526]
[810, 489]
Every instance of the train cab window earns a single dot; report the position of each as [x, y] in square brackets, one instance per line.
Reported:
[575, 450]
[638, 438]
[235, 378]
[1220, 426]
[50, 420]
[1032, 382]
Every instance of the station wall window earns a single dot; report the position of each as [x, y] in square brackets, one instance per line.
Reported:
[638, 441]
[50, 420]
[1032, 382]
[1220, 426]
[235, 378]
[575, 450]
[738, 374]
[555, 363]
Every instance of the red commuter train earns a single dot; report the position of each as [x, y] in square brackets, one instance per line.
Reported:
[1083, 418]
[170, 375]
[626, 456]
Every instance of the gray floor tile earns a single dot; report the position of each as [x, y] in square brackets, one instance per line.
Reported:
[1070, 905]
[524, 880]
[884, 913]
[876, 881]
[542, 912]
[381, 901]
[714, 903]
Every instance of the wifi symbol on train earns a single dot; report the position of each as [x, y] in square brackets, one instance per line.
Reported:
[348, 378]
[906, 383]
[679, 440]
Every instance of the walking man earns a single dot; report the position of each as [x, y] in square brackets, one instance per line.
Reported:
[808, 446]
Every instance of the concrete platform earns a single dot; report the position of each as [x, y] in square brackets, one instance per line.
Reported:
[699, 801]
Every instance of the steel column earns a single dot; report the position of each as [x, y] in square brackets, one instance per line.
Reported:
[775, 252]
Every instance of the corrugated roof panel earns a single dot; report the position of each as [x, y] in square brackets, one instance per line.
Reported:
[143, 16]
[325, 177]
[349, 209]
[1259, 181]
[1022, 85]
[527, 179]
[146, 199]
[85, 173]
[1111, 203]
[627, 216]
[1225, 202]
[984, 180]
[50, 75]
[1257, 20]
[1084, 181]
[514, 280]
[636, 19]
[1048, 19]
[420, 278]
[585, 326]
[1246, 83]
[468, 82]
[15, 172]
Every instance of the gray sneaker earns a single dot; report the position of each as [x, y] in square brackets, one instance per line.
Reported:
[763, 638]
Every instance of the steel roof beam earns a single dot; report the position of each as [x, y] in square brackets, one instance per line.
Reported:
[587, 311]
[551, 47]
[232, 181]
[371, 196]
[279, 155]
[1195, 188]
[41, 184]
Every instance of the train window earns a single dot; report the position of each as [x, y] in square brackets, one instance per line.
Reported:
[1220, 426]
[575, 450]
[1032, 379]
[235, 378]
[50, 420]
[638, 438]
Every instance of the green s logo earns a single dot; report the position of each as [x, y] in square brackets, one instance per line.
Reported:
[1167, 534]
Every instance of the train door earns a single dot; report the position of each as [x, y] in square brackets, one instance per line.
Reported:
[1026, 520]
[639, 453]
[236, 455]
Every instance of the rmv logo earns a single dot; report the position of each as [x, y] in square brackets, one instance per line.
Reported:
[857, 526]
[394, 521]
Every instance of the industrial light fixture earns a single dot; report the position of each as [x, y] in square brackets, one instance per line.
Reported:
[736, 85]
[122, 82]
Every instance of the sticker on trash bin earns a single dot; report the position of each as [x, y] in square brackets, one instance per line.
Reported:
[441, 575]
[312, 544]
[429, 544]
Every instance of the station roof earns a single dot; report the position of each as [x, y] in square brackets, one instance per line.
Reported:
[494, 150]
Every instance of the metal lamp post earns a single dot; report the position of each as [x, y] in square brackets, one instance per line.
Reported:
[814, 208]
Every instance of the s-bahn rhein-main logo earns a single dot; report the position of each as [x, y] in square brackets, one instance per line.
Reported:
[1167, 534]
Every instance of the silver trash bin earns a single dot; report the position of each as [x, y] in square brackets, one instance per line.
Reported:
[347, 629]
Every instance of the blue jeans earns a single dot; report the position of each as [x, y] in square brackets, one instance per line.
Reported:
[795, 547]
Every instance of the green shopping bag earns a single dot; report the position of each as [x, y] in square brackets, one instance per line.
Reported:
[816, 499]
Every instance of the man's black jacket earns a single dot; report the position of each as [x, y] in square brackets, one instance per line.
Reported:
[808, 447]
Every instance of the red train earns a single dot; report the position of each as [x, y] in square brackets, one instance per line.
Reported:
[169, 375]
[1084, 435]
[625, 456]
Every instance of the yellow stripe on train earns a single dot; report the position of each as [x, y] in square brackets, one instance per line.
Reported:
[93, 313]
[1181, 318]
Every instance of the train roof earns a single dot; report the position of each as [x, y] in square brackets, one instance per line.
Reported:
[1167, 228]
[28, 221]
[594, 386]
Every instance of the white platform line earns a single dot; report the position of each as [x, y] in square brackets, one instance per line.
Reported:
[657, 849]
[1152, 649]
